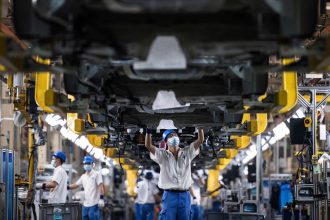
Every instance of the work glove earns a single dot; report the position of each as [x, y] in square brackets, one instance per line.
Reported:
[194, 202]
[40, 186]
[148, 130]
[101, 202]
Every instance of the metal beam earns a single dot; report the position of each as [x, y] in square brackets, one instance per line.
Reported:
[259, 171]
[323, 100]
[303, 101]
[318, 89]
[314, 150]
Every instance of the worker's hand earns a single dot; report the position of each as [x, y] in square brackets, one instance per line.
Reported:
[101, 203]
[148, 130]
[40, 186]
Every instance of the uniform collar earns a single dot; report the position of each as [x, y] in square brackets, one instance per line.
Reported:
[180, 152]
[89, 173]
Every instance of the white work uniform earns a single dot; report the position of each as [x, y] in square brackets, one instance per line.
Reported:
[91, 181]
[197, 190]
[59, 193]
[175, 174]
[146, 191]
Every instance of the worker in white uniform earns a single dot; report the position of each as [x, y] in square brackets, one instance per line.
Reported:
[175, 173]
[146, 191]
[59, 181]
[195, 191]
[92, 183]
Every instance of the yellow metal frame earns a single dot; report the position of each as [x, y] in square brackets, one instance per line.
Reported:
[31, 158]
[122, 160]
[10, 81]
[255, 126]
[241, 142]
[288, 96]
[231, 153]
[258, 125]
[42, 84]
[110, 152]
[213, 182]
[131, 181]
[224, 161]
[96, 140]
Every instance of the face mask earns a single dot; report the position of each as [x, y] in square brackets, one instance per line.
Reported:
[53, 163]
[87, 167]
[174, 141]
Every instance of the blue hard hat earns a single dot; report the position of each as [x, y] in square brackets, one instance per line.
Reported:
[167, 133]
[88, 159]
[61, 155]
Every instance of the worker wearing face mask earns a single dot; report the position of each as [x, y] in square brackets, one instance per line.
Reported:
[175, 173]
[92, 183]
[58, 184]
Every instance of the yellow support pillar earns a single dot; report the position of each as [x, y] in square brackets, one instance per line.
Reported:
[213, 182]
[131, 181]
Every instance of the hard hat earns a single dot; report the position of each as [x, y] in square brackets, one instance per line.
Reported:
[167, 133]
[88, 159]
[61, 155]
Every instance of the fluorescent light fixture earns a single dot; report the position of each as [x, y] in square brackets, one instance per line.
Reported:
[272, 140]
[249, 157]
[79, 140]
[253, 147]
[265, 147]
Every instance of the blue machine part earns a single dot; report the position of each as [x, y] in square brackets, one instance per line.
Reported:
[286, 195]
[8, 179]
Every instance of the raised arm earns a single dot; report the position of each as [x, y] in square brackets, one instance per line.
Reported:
[200, 139]
[148, 142]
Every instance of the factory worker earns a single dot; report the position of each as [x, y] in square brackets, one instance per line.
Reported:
[175, 173]
[58, 183]
[92, 183]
